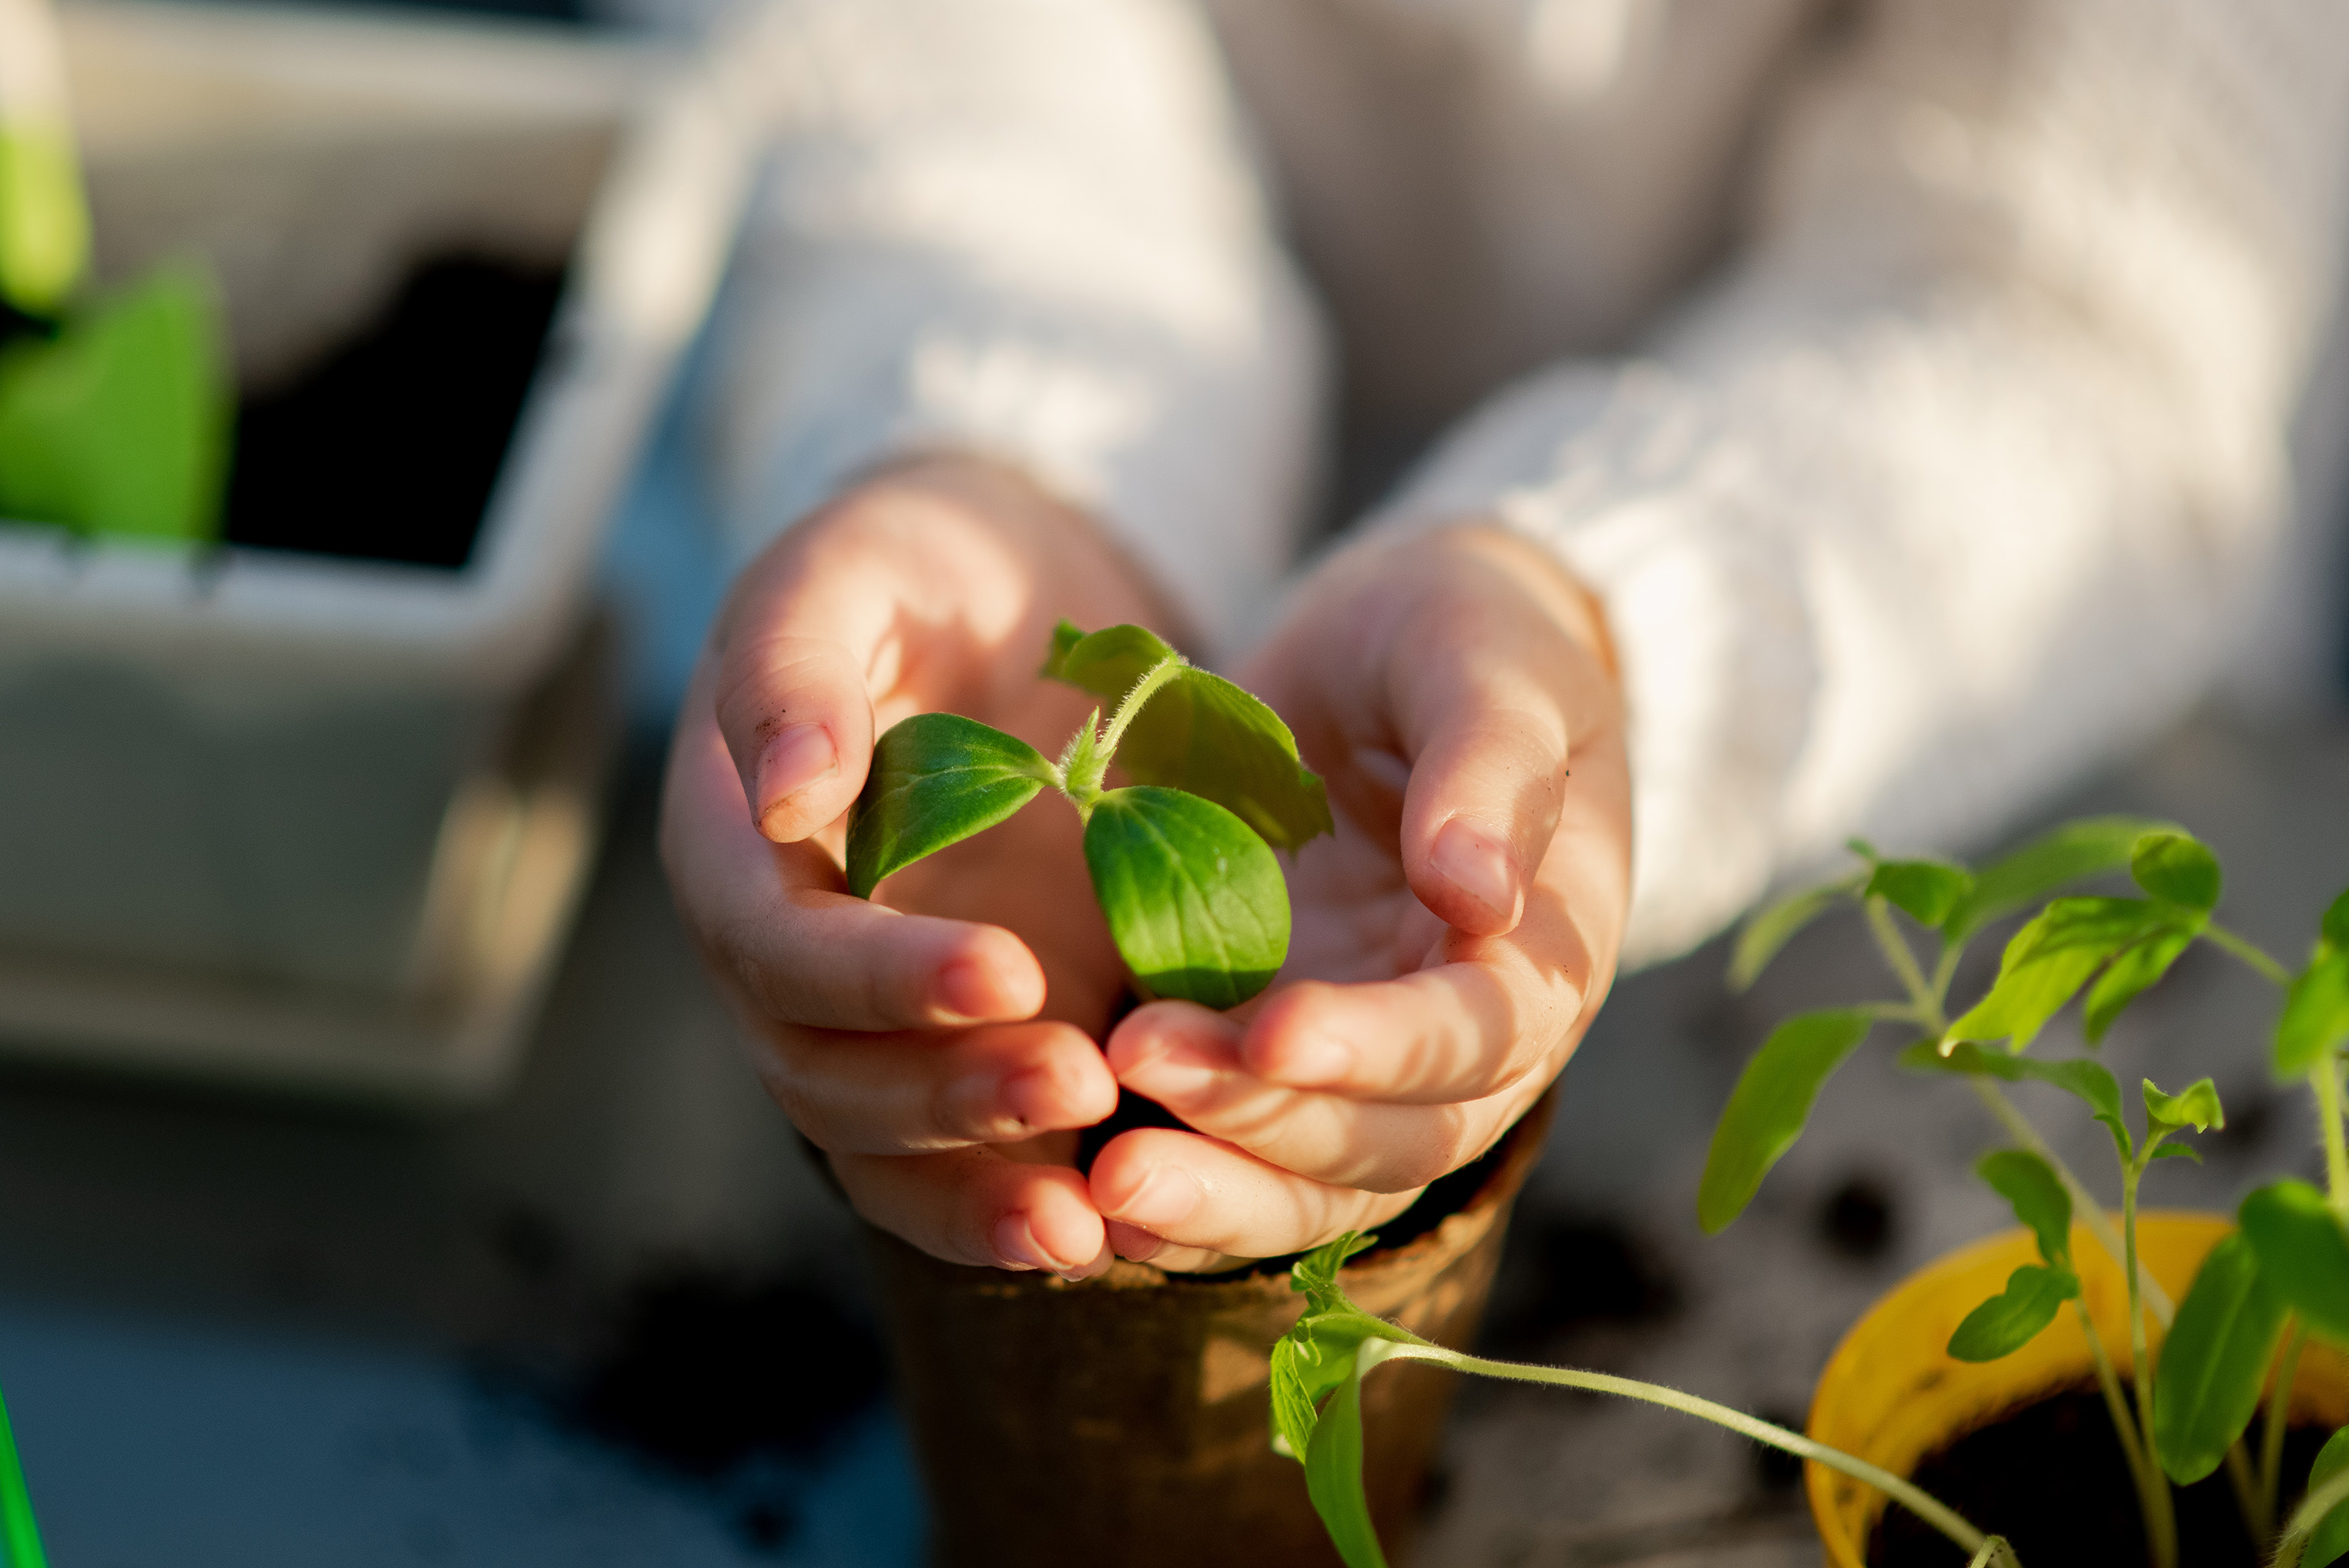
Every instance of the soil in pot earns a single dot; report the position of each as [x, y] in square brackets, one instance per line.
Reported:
[2049, 1476]
[388, 448]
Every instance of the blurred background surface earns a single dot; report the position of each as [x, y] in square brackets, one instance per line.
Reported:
[614, 1318]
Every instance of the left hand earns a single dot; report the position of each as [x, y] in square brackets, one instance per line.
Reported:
[1450, 947]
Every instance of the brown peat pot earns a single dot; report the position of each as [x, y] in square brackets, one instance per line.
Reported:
[1131, 1411]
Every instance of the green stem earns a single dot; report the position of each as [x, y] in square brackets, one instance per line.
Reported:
[2161, 1521]
[2272, 1433]
[2085, 1208]
[1944, 971]
[1166, 670]
[2308, 1516]
[1896, 951]
[1085, 763]
[2325, 1078]
[1908, 1495]
[2115, 1402]
[2249, 952]
[2258, 1518]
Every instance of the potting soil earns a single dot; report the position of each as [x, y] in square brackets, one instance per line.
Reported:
[389, 447]
[2049, 1477]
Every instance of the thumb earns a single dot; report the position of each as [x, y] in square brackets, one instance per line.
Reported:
[797, 722]
[1487, 688]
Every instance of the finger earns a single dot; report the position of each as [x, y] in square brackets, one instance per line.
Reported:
[1481, 683]
[982, 1207]
[1190, 1062]
[922, 1093]
[798, 643]
[1199, 1194]
[776, 920]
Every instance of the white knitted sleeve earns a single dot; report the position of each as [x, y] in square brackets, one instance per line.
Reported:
[1959, 480]
[1030, 229]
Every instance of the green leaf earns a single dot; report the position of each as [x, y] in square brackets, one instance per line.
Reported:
[1293, 1414]
[1199, 732]
[119, 426]
[2077, 1075]
[2335, 926]
[2304, 1253]
[1065, 636]
[1316, 1273]
[1195, 902]
[2136, 968]
[2062, 856]
[1333, 1477]
[1766, 1110]
[2215, 1361]
[1926, 891]
[2177, 1152]
[2198, 1108]
[44, 216]
[2315, 1015]
[2177, 867]
[2330, 1541]
[2051, 958]
[2012, 1318]
[936, 778]
[2038, 1196]
[1761, 937]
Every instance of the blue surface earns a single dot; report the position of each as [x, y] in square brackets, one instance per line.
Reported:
[155, 1442]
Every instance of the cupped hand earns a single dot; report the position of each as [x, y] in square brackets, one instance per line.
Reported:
[1456, 691]
[938, 1045]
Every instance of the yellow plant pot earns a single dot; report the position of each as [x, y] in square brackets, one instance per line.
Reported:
[1892, 1394]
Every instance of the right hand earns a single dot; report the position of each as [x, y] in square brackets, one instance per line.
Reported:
[937, 1043]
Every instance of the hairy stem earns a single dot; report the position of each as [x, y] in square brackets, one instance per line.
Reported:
[2272, 1433]
[2258, 1517]
[1166, 670]
[1909, 1496]
[2249, 952]
[2308, 1516]
[2161, 1520]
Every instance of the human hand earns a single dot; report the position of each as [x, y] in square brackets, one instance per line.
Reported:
[938, 1045]
[1450, 946]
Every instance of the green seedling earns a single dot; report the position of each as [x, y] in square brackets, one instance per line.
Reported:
[1181, 856]
[114, 408]
[1317, 1368]
[2279, 1278]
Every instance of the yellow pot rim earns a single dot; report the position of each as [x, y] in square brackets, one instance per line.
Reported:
[1891, 1393]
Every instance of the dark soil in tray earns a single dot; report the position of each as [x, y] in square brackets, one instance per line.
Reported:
[2050, 1478]
[389, 447]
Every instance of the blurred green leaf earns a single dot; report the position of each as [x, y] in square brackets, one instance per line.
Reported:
[2012, 1318]
[2177, 867]
[2303, 1253]
[1199, 732]
[2329, 1542]
[43, 215]
[2214, 1363]
[2136, 968]
[2052, 957]
[936, 778]
[2054, 860]
[2315, 1015]
[2038, 1194]
[1926, 891]
[1767, 1109]
[1195, 902]
[2334, 928]
[2198, 1108]
[1761, 937]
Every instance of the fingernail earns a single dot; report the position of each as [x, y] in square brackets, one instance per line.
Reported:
[1312, 1059]
[1477, 865]
[1133, 1242]
[1168, 1196]
[1015, 1246]
[962, 990]
[798, 755]
[1030, 1097]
